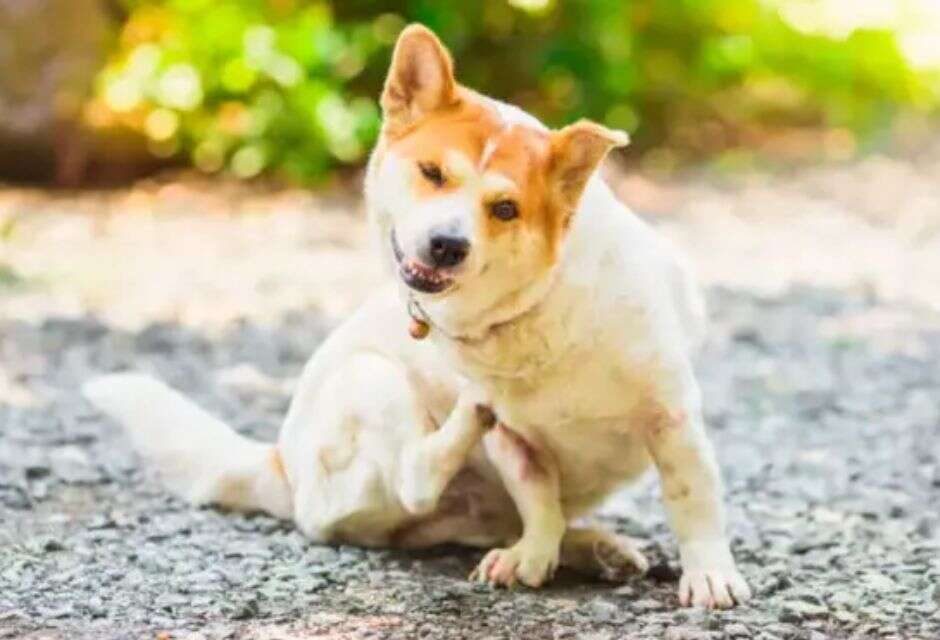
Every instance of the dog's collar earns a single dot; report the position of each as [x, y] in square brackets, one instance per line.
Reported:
[422, 322]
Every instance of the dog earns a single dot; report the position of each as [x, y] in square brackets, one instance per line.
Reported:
[557, 366]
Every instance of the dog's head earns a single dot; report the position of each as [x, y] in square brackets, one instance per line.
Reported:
[473, 197]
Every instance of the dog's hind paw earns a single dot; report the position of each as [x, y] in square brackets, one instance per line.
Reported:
[617, 559]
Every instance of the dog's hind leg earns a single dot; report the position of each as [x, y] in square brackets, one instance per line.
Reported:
[341, 443]
[601, 554]
[363, 453]
[429, 463]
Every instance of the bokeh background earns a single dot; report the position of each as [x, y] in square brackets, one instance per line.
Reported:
[765, 130]
[180, 193]
[288, 88]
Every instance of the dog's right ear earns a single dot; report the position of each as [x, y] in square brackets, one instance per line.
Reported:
[420, 79]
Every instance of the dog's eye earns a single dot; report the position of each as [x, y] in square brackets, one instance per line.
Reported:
[504, 210]
[432, 173]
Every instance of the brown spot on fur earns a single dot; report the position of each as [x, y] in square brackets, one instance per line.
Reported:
[234, 493]
[527, 458]
[340, 455]
[277, 464]
[677, 491]
[657, 420]
[486, 416]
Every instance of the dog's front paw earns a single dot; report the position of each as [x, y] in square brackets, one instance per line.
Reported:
[523, 562]
[715, 589]
[709, 576]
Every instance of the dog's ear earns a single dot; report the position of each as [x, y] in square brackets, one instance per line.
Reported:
[577, 150]
[420, 79]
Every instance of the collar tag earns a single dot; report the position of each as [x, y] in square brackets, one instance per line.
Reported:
[419, 327]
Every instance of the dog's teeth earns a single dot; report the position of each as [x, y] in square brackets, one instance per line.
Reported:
[419, 271]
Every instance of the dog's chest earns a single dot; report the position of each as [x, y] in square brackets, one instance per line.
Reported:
[584, 416]
[582, 408]
[578, 389]
[577, 367]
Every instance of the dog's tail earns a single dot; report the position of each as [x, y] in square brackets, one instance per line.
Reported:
[199, 458]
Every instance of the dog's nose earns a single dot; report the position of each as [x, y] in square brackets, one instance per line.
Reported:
[447, 250]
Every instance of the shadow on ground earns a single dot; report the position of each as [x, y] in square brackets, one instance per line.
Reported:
[823, 406]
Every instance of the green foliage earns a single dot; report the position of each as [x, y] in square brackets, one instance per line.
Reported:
[291, 87]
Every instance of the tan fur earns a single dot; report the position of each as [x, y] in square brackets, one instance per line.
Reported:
[525, 156]
[277, 465]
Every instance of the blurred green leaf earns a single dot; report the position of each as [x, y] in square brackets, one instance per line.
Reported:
[291, 86]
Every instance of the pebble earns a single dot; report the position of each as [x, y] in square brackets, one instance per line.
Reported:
[646, 605]
[73, 465]
[737, 630]
[687, 633]
[603, 610]
[797, 610]
[879, 582]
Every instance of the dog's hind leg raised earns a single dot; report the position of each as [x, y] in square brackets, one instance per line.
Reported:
[431, 462]
[375, 460]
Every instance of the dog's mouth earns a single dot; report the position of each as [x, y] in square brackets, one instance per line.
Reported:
[416, 274]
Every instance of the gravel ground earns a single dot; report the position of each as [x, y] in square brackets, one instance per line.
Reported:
[823, 398]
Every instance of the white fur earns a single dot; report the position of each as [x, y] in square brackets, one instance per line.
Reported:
[201, 460]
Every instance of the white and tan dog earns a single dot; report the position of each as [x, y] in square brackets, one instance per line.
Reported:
[548, 303]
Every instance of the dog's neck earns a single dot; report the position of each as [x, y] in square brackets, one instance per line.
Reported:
[512, 308]
[517, 337]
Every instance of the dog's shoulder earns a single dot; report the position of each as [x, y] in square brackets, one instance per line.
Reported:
[633, 270]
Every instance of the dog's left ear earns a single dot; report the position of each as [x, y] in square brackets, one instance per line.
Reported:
[577, 150]
[420, 79]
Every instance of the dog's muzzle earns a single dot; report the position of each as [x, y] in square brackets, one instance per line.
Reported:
[416, 274]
